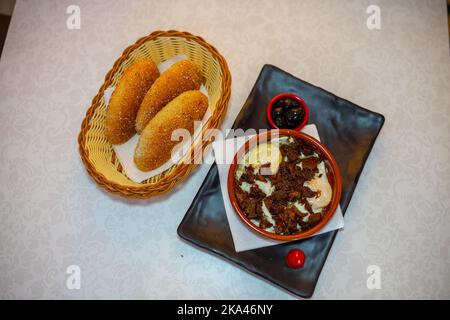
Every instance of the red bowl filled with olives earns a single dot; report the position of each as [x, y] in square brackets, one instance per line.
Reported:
[287, 111]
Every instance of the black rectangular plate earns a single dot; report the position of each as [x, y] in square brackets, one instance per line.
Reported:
[348, 131]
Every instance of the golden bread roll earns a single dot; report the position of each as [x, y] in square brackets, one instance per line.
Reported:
[155, 144]
[126, 100]
[180, 77]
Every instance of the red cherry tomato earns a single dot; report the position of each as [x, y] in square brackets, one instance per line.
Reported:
[295, 258]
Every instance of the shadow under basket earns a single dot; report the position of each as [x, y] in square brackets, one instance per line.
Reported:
[97, 153]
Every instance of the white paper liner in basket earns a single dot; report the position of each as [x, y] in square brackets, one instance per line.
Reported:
[125, 151]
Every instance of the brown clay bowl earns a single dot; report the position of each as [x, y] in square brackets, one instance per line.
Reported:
[333, 176]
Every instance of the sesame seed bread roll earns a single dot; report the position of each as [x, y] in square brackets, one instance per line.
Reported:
[155, 144]
[126, 100]
[180, 77]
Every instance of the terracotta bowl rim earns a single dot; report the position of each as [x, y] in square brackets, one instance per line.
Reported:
[337, 185]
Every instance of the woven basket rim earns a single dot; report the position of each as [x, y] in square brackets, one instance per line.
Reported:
[148, 189]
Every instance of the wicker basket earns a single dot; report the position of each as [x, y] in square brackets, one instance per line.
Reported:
[97, 153]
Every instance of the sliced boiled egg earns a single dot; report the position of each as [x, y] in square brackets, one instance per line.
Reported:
[320, 185]
[265, 187]
[246, 187]
[262, 154]
[267, 214]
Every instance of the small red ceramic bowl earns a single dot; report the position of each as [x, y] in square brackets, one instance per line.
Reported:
[333, 176]
[292, 97]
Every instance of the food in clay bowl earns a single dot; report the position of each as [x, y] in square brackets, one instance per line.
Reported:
[284, 184]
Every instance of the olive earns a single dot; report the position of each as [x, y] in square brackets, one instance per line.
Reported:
[289, 104]
[279, 103]
[280, 122]
[295, 103]
[291, 125]
[294, 116]
[278, 111]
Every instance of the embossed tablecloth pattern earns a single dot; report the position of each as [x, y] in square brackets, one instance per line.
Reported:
[52, 214]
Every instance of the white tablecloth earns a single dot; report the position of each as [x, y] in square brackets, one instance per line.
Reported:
[53, 215]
